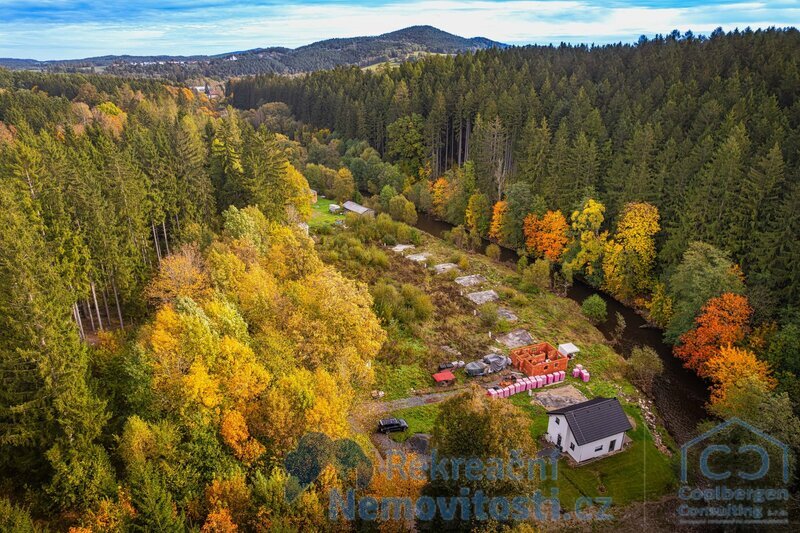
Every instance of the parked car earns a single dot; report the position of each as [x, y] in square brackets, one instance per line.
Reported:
[391, 425]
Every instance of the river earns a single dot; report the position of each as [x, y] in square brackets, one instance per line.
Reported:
[679, 394]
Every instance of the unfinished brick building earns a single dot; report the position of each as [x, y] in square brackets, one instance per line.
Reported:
[538, 359]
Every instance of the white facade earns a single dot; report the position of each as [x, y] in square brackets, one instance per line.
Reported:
[560, 434]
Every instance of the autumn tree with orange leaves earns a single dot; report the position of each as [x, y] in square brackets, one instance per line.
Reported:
[440, 194]
[723, 321]
[731, 368]
[546, 236]
[498, 220]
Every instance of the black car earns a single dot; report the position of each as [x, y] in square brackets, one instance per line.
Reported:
[390, 425]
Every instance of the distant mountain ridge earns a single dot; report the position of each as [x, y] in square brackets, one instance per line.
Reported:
[395, 46]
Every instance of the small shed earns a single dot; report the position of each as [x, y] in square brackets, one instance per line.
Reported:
[568, 349]
[334, 208]
[357, 208]
[444, 378]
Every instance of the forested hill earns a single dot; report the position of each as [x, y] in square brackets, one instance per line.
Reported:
[705, 129]
[396, 46]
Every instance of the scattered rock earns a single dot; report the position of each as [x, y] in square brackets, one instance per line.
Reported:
[418, 258]
[483, 297]
[506, 314]
[516, 338]
[651, 423]
[471, 280]
[449, 350]
[441, 268]
[400, 248]
[560, 397]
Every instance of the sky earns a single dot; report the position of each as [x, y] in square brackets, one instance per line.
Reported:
[63, 29]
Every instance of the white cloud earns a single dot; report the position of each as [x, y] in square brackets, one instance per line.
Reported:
[212, 30]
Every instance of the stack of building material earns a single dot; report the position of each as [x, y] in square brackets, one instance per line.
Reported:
[527, 384]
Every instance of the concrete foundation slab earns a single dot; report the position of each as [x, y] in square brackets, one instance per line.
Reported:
[483, 297]
[471, 280]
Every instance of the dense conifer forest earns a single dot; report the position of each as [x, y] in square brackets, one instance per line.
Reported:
[705, 129]
[172, 332]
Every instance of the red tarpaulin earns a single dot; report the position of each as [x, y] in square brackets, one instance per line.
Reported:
[445, 375]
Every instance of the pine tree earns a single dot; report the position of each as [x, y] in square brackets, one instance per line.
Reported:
[155, 510]
[46, 404]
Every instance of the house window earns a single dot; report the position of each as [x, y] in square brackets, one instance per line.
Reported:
[599, 448]
[571, 445]
[558, 420]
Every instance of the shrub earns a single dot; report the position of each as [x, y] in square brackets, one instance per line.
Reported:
[455, 257]
[644, 366]
[594, 308]
[506, 293]
[458, 236]
[519, 300]
[377, 257]
[475, 240]
[386, 300]
[537, 276]
[404, 233]
[417, 301]
[493, 251]
[402, 210]
[522, 264]
[488, 314]
[407, 305]
[459, 259]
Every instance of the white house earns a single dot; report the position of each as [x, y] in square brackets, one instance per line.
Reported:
[589, 429]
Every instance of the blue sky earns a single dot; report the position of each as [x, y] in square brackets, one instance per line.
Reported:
[59, 29]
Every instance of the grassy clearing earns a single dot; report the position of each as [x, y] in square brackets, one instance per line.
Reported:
[420, 420]
[395, 62]
[637, 473]
[398, 380]
[320, 216]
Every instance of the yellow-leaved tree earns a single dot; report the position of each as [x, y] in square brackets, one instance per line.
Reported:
[734, 367]
[590, 241]
[499, 212]
[629, 255]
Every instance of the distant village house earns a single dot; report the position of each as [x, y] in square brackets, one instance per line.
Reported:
[357, 208]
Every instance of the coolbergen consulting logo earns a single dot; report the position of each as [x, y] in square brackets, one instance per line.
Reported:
[734, 474]
[316, 451]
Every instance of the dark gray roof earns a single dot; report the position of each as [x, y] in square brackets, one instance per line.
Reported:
[594, 420]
